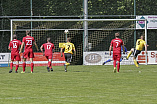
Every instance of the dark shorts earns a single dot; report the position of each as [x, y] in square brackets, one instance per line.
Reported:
[68, 57]
[136, 52]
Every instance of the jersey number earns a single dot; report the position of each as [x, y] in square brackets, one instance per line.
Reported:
[117, 44]
[138, 43]
[14, 45]
[29, 42]
[69, 48]
[48, 46]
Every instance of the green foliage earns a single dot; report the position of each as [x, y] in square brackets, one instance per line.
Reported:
[75, 7]
[80, 85]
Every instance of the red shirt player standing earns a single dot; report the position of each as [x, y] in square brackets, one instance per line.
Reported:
[14, 47]
[28, 41]
[116, 44]
[48, 47]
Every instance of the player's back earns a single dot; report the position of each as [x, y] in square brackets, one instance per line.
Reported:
[28, 40]
[68, 47]
[140, 44]
[14, 45]
[116, 43]
[48, 47]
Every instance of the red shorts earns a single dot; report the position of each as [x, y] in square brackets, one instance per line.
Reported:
[16, 57]
[48, 56]
[116, 57]
[28, 54]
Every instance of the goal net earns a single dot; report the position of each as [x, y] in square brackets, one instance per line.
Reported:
[91, 36]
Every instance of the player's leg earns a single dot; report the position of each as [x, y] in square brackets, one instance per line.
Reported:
[11, 63]
[66, 56]
[135, 55]
[31, 55]
[48, 65]
[50, 62]
[32, 64]
[121, 59]
[118, 62]
[109, 60]
[24, 65]
[132, 50]
[11, 66]
[17, 62]
[68, 60]
[25, 55]
[17, 66]
[114, 62]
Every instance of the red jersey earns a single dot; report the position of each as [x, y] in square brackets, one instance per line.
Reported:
[28, 40]
[48, 48]
[116, 43]
[14, 45]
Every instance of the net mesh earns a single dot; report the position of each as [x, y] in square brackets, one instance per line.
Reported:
[100, 34]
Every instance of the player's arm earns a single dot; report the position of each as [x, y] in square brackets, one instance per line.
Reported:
[61, 52]
[36, 45]
[41, 48]
[21, 47]
[9, 47]
[74, 51]
[110, 49]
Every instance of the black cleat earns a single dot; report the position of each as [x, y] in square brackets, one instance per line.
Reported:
[48, 69]
[10, 71]
[51, 69]
[16, 72]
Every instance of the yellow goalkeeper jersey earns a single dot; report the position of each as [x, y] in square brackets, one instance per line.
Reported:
[140, 44]
[68, 47]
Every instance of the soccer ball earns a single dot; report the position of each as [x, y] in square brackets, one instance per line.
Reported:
[66, 31]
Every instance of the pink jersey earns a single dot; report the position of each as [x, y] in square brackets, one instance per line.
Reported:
[14, 45]
[28, 40]
[48, 48]
[116, 43]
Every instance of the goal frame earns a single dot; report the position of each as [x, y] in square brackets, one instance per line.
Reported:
[85, 29]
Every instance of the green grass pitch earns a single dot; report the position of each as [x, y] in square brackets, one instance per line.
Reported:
[80, 85]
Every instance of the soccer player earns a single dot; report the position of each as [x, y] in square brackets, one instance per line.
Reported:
[69, 48]
[28, 42]
[109, 60]
[116, 44]
[14, 47]
[48, 47]
[140, 43]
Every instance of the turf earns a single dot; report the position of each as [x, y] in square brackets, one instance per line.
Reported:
[80, 85]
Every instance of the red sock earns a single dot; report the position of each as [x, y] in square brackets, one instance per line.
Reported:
[24, 65]
[118, 66]
[49, 64]
[17, 66]
[11, 66]
[32, 66]
[114, 63]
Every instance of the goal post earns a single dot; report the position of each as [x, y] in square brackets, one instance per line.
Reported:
[81, 34]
